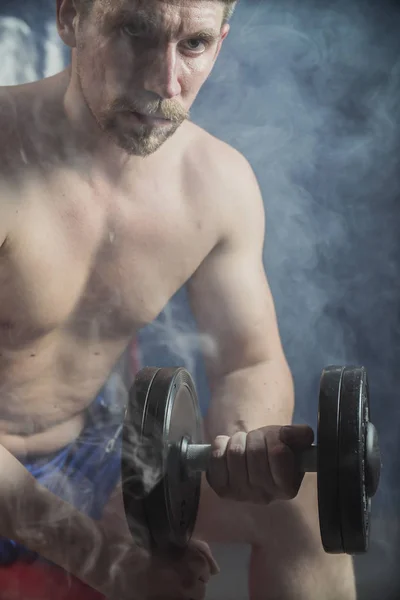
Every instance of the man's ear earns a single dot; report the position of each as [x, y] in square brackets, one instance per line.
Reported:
[67, 18]
[224, 32]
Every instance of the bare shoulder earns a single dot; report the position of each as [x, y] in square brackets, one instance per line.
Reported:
[224, 159]
[8, 124]
[15, 120]
[227, 180]
[8, 158]
[15, 114]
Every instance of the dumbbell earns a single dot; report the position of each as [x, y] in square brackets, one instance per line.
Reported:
[163, 457]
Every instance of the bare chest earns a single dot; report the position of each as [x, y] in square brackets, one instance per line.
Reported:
[98, 264]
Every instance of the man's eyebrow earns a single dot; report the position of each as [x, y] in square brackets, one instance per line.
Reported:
[207, 34]
[143, 21]
[148, 23]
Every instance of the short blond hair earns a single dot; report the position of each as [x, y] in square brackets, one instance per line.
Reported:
[229, 9]
[84, 6]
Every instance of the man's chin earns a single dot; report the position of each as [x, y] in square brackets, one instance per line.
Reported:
[143, 145]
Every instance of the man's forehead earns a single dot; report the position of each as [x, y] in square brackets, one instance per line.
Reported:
[166, 14]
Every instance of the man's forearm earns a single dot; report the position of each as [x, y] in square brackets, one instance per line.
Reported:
[36, 518]
[243, 400]
[250, 398]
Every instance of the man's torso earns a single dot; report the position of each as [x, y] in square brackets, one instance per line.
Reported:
[86, 263]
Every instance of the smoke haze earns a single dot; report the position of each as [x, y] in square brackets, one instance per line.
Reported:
[309, 92]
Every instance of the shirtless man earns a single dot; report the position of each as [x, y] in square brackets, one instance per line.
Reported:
[111, 200]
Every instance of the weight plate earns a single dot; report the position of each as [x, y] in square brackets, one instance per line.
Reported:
[327, 460]
[167, 400]
[355, 505]
[141, 458]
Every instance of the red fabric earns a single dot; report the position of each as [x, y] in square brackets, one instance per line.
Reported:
[37, 581]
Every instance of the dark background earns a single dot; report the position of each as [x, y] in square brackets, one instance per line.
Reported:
[309, 92]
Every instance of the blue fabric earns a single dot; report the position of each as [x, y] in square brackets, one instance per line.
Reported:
[83, 473]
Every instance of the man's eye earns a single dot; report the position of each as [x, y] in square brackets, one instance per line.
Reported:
[196, 45]
[129, 30]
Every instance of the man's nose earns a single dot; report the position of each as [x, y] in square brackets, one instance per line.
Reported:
[160, 73]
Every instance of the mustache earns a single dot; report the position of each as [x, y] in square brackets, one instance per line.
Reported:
[165, 109]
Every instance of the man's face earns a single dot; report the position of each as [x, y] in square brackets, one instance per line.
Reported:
[141, 64]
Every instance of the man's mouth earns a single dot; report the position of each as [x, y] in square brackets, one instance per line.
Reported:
[152, 120]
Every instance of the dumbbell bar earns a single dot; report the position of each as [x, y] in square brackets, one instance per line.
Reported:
[196, 457]
[163, 456]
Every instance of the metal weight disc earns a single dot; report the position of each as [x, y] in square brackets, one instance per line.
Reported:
[355, 505]
[142, 457]
[327, 461]
[166, 399]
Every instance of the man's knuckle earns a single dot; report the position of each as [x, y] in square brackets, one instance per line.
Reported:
[236, 450]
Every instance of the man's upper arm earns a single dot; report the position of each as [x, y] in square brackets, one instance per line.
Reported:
[9, 153]
[229, 293]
